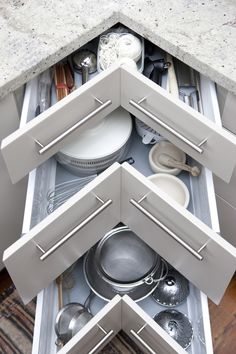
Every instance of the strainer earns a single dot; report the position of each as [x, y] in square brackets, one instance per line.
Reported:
[123, 257]
[173, 290]
[63, 319]
[122, 264]
[177, 325]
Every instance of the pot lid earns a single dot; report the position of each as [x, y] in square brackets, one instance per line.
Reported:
[103, 139]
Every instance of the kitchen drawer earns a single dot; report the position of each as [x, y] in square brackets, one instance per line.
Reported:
[176, 234]
[119, 313]
[192, 234]
[227, 219]
[188, 129]
[199, 137]
[58, 240]
[46, 231]
[43, 136]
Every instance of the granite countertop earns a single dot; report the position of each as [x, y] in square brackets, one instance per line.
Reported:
[35, 34]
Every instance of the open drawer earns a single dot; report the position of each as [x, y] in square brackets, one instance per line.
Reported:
[115, 315]
[120, 313]
[189, 130]
[53, 242]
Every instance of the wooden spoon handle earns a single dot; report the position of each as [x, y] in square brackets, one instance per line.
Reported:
[173, 85]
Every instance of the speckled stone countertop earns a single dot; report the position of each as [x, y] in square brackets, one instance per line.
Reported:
[35, 34]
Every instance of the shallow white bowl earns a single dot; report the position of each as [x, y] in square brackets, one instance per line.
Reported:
[172, 186]
[165, 147]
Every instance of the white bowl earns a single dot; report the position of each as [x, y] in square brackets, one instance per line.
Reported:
[165, 147]
[172, 186]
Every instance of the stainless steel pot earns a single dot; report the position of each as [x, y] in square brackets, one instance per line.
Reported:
[121, 263]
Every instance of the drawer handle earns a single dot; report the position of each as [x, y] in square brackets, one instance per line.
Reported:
[140, 340]
[51, 250]
[103, 340]
[196, 147]
[45, 148]
[195, 253]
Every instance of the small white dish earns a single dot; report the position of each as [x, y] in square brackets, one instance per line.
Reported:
[173, 186]
[165, 147]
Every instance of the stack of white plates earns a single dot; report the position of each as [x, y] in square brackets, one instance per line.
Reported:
[95, 149]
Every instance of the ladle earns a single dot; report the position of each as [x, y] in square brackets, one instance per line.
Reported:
[169, 161]
[85, 61]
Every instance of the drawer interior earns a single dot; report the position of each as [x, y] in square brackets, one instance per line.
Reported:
[51, 173]
[193, 307]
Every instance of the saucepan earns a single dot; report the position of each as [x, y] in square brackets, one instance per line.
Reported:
[121, 263]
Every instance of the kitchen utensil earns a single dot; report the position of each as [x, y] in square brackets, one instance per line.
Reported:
[59, 280]
[148, 135]
[172, 186]
[85, 62]
[59, 288]
[94, 149]
[117, 45]
[63, 319]
[127, 276]
[186, 82]
[169, 161]
[78, 321]
[177, 325]
[63, 191]
[165, 147]
[124, 258]
[44, 89]
[69, 76]
[172, 80]
[154, 69]
[60, 81]
[173, 290]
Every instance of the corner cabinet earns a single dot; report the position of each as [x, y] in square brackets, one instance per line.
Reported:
[188, 240]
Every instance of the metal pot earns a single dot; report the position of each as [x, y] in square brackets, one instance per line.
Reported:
[121, 263]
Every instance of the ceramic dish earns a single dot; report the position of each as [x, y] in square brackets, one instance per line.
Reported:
[172, 186]
[95, 149]
[165, 147]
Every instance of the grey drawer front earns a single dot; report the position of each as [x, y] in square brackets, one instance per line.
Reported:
[177, 235]
[54, 244]
[179, 123]
[60, 123]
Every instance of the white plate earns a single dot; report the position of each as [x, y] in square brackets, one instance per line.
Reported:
[103, 140]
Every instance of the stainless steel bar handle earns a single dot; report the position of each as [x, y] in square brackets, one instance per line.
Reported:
[196, 147]
[103, 340]
[195, 253]
[45, 148]
[141, 341]
[46, 254]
